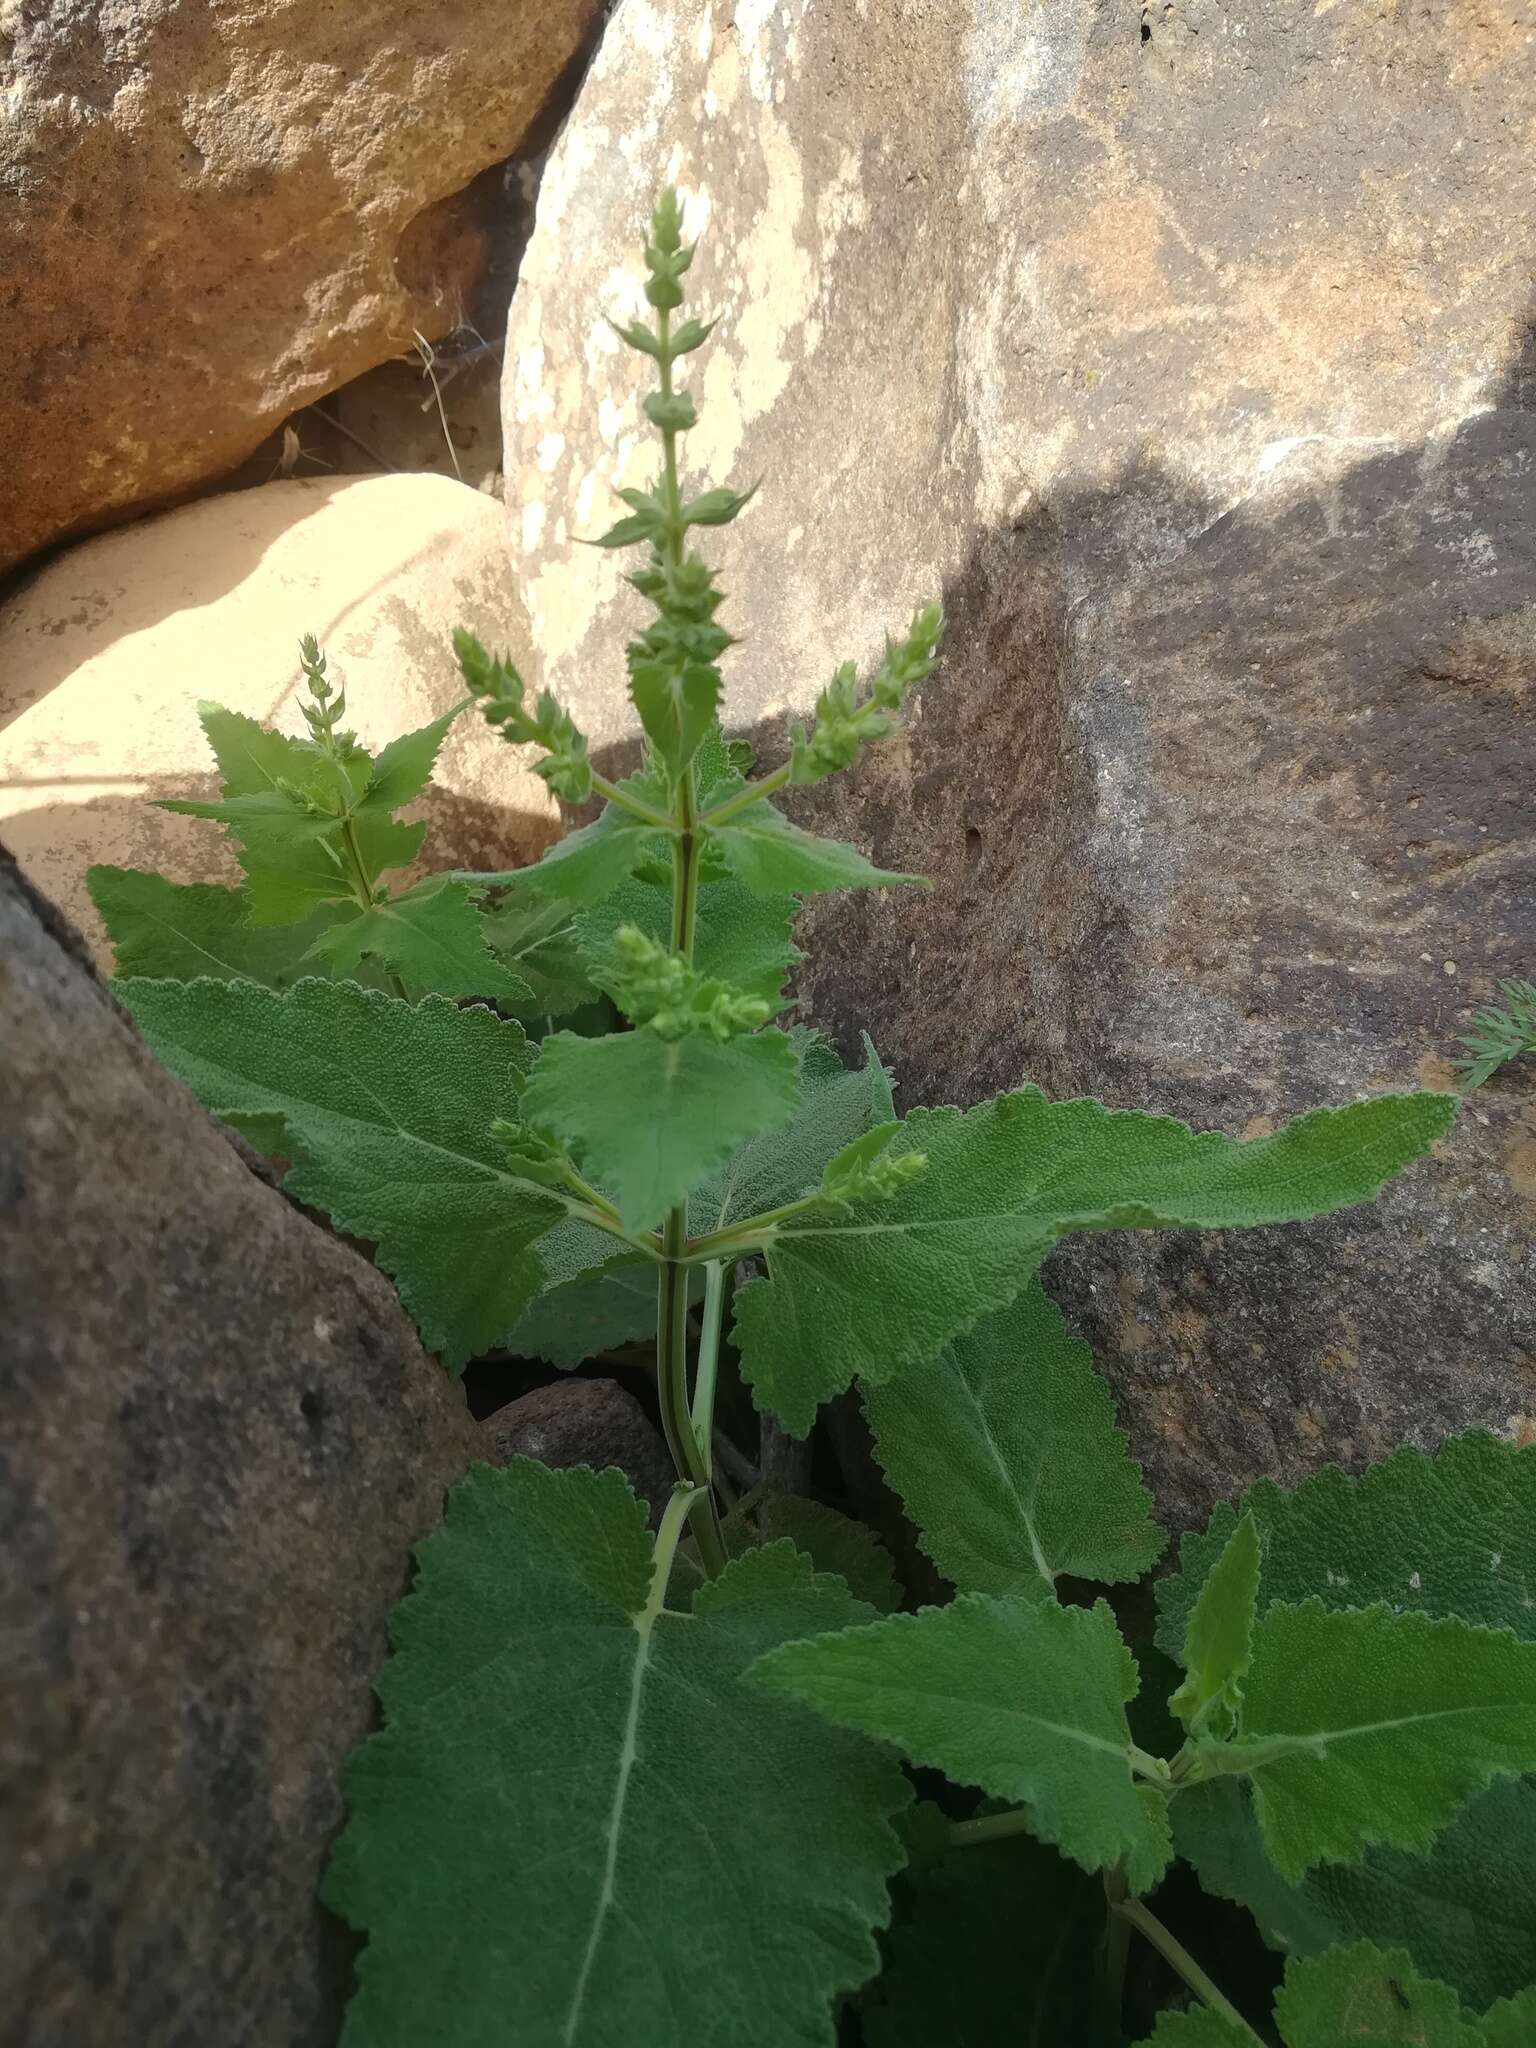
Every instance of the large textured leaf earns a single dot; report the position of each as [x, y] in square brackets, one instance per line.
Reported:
[1025, 1701]
[431, 937]
[1371, 1995]
[1451, 1533]
[1463, 1910]
[536, 938]
[613, 1304]
[388, 1108]
[649, 1117]
[1005, 1451]
[833, 1542]
[742, 938]
[888, 1283]
[768, 853]
[1405, 1719]
[782, 1165]
[253, 759]
[177, 931]
[581, 1826]
[582, 867]
[991, 1947]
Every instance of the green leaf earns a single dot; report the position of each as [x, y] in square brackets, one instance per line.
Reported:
[1025, 1701]
[625, 532]
[404, 768]
[1448, 1533]
[1462, 1910]
[1200, 2027]
[431, 937]
[649, 1117]
[580, 1822]
[676, 701]
[1218, 1644]
[584, 866]
[769, 854]
[1511, 2023]
[177, 931]
[388, 1109]
[715, 508]
[1372, 1996]
[742, 937]
[788, 1163]
[889, 1283]
[613, 1304]
[1399, 1720]
[992, 1945]
[253, 759]
[833, 1542]
[1005, 1452]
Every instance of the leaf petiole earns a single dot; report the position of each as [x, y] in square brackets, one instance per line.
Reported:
[991, 1827]
[624, 800]
[707, 1368]
[766, 785]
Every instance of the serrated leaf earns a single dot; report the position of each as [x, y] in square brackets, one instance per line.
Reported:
[1218, 1643]
[536, 938]
[578, 1773]
[769, 853]
[1404, 1719]
[388, 1108]
[177, 931]
[649, 1117]
[1369, 1995]
[584, 866]
[781, 1166]
[993, 1945]
[613, 1304]
[889, 1283]
[833, 1542]
[1511, 2023]
[742, 937]
[1449, 1533]
[676, 701]
[404, 768]
[624, 533]
[431, 937]
[1462, 1910]
[1005, 1451]
[1025, 1701]
[253, 759]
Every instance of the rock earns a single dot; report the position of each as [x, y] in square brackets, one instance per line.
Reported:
[584, 1422]
[1193, 361]
[219, 1439]
[104, 655]
[217, 214]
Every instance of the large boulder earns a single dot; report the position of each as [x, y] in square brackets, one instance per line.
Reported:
[104, 655]
[215, 214]
[219, 1438]
[1191, 360]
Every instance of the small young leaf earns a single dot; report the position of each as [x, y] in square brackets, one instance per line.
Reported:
[676, 702]
[1373, 1996]
[1403, 1719]
[716, 508]
[742, 937]
[649, 1117]
[1005, 1452]
[888, 1286]
[431, 937]
[1025, 1701]
[761, 846]
[388, 1109]
[1218, 1644]
[404, 768]
[833, 1542]
[176, 931]
[624, 533]
[991, 1945]
[578, 1773]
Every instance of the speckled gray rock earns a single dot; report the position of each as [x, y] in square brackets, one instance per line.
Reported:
[219, 1438]
[583, 1422]
[1189, 353]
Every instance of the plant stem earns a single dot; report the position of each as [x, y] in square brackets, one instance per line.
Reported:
[636, 807]
[1117, 1943]
[990, 1827]
[362, 890]
[1133, 1913]
[745, 1236]
[691, 1461]
[664, 1551]
[708, 1365]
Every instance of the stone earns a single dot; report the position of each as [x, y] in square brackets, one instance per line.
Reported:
[584, 1422]
[1192, 360]
[105, 653]
[217, 214]
[219, 1439]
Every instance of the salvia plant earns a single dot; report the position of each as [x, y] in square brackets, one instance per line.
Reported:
[655, 1787]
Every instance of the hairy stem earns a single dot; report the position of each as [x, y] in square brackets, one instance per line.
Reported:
[1132, 1913]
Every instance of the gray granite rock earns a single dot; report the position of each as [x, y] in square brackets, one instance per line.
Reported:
[1188, 352]
[219, 1439]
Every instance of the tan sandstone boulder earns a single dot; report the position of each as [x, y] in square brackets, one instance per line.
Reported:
[214, 214]
[104, 655]
[1190, 358]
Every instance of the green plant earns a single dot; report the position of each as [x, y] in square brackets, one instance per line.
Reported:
[1501, 1032]
[651, 1789]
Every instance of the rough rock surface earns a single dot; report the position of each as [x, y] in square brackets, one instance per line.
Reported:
[104, 655]
[1189, 353]
[217, 213]
[219, 1439]
[583, 1422]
